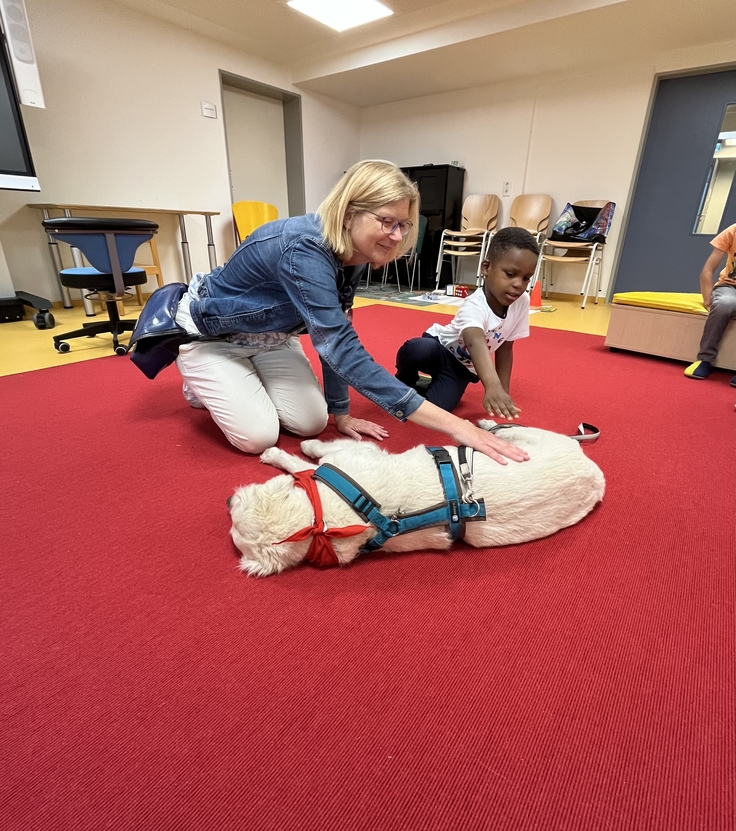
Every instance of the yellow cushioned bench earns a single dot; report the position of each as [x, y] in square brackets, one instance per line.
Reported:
[667, 324]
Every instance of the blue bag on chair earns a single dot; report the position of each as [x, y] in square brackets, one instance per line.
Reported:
[157, 336]
[579, 223]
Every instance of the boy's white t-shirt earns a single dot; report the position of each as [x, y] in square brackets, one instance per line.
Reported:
[475, 312]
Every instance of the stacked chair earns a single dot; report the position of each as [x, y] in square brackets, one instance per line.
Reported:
[531, 211]
[479, 221]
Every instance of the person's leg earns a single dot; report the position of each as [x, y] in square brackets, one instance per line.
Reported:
[723, 308]
[448, 383]
[289, 380]
[222, 378]
[448, 376]
[418, 355]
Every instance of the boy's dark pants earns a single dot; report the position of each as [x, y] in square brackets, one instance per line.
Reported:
[449, 376]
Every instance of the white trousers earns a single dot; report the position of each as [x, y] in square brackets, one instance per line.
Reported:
[252, 393]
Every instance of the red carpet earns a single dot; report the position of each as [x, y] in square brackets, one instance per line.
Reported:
[582, 682]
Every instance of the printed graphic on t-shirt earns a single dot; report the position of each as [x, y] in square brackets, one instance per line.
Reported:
[494, 338]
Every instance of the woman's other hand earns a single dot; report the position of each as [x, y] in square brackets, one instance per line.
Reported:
[356, 428]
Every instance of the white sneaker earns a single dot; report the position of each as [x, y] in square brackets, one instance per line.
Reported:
[191, 398]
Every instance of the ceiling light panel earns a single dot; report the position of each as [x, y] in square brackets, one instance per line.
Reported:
[339, 14]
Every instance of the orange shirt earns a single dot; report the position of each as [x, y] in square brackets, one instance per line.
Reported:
[726, 241]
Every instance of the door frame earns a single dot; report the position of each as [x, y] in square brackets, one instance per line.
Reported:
[659, 76]
[293, 144]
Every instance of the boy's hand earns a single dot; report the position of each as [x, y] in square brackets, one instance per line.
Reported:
[497, 402]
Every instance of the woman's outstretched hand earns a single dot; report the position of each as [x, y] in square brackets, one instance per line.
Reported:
[463, 432]
[356, 428]
[488, 443]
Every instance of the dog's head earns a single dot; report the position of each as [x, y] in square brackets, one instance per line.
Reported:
[264, 515]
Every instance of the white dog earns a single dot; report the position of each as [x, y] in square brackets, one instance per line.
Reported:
[524, 501]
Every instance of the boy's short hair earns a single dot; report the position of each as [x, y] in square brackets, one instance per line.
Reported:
[508, 238]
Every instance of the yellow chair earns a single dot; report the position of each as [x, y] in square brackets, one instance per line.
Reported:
[250, 215]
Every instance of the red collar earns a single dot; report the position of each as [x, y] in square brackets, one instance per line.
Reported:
[320, 551]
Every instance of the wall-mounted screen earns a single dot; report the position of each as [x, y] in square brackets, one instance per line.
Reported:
[16, 165]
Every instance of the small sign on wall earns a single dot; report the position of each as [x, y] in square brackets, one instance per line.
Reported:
[209, 110]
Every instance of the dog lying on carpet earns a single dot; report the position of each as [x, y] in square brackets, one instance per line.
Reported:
[524, 501]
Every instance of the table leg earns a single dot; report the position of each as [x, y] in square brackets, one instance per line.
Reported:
[210, 243]
[185, 250]
[66, 298]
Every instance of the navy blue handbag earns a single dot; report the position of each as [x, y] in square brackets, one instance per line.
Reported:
[157, 336]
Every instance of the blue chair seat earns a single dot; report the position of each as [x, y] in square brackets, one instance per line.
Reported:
[109, 246]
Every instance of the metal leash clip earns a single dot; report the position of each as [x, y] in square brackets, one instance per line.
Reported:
[465, 467]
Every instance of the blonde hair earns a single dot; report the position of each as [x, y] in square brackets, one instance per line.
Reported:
[366, 186]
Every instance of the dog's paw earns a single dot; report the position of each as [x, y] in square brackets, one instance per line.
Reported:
[487, 423]
[270, 456]
[313, 448]
[255, 569]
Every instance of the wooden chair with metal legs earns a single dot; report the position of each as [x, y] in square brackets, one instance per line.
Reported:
[589, 254]
[152, 269]
[479, 222]
[531, 211]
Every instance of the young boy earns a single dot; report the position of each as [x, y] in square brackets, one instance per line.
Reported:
[719, 297]
[488, 323]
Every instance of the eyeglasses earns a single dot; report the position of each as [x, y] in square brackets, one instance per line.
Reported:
[389, 224]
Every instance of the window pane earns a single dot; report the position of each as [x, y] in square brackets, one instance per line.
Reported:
[720, 176]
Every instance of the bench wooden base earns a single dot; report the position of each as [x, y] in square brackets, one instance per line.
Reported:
[667, 334]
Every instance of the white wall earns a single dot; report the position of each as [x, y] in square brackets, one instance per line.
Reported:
[574, 137]
[123, 126]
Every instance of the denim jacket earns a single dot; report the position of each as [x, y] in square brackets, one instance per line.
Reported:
[283, 278]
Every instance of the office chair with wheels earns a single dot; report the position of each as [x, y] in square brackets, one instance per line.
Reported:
[109, 245]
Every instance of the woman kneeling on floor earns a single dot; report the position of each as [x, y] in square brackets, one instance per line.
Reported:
[246, 364]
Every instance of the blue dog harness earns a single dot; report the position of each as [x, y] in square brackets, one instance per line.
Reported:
[458, 508]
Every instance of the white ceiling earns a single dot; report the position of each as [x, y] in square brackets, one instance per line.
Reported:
[428, 47]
